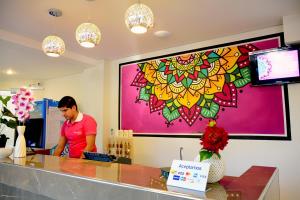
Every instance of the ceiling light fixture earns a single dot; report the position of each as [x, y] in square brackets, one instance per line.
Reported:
[53, 45]
[10, 72]
[88, 35]
[139, 18]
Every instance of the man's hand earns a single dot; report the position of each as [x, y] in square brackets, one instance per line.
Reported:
[60, 146]
[90, 143]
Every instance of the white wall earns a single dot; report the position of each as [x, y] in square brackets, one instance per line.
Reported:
[239, 155]
[87, 89]
[12, 85]
[291, 27]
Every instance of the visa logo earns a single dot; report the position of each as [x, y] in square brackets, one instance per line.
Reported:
[181, 173]
[176, 178]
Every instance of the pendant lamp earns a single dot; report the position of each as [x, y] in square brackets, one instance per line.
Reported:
[88, 35]
[139, 18]
[53, 45]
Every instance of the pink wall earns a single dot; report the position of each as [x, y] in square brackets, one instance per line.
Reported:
[260, 110]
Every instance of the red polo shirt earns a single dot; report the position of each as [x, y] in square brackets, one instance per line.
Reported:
[76, 133]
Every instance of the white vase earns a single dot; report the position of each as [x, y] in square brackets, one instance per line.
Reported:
[20, 148]
[216, 169]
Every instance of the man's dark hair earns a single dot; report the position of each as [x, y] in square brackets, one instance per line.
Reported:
[67, 102]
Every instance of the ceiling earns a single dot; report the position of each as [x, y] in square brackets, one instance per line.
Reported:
[24, 25]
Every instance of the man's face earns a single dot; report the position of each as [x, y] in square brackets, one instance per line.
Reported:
[68, 113]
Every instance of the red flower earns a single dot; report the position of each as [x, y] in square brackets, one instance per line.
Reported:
[214, 138]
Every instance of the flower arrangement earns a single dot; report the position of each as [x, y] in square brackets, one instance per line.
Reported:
[213, 140]
[23, 102]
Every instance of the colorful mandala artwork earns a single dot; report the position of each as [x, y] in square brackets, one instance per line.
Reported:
[176, 95]
[194, 85]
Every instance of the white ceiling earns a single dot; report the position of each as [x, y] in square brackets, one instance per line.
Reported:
[24, 25]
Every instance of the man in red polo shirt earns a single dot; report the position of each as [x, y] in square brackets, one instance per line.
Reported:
[79, 130]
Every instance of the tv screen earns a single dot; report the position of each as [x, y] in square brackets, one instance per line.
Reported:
[34, 133]
[275, 66]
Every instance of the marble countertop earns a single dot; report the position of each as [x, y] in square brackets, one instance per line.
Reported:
[251, 185]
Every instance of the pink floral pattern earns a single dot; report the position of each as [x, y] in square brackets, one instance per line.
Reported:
[23, 102]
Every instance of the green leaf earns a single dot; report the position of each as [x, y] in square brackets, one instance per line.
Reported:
[5, 100]
[170, 78]
[186, 82]
[170, 105]
[170, 115]
[144, 95]
[171, 67]
[203, 73]
[10, 123]
[149, 85]
[141, 66]
[210, 112]
[179, 72]
[7, 113]
[200, 62]
[204, 154]
[229, 78]
[245, 80]
[176, 103]
[233, 70]
[212, 59]
[209, 96]
[162, 67]
[191, 71]
[213, 55]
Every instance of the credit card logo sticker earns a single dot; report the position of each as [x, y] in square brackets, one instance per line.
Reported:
[180, 173]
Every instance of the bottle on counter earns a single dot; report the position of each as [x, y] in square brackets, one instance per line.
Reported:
[129, 144]
[112, 141]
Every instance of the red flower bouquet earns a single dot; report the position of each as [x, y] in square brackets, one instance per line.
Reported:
[213, 140]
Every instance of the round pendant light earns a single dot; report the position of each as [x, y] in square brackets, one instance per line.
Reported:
[53, 46]
[88, 35]
[139, 18]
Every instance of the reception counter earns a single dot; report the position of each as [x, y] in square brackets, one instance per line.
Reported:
[49, 177]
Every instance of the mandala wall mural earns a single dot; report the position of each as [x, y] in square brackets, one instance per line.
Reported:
[176, 95]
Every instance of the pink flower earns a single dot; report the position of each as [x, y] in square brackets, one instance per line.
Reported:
[23, 102]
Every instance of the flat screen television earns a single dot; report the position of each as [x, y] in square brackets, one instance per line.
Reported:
[34, 133]
[275, 66]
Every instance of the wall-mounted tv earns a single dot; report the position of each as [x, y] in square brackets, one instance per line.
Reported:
[275, 66]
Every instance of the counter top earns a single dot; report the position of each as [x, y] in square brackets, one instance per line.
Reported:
[42, 174]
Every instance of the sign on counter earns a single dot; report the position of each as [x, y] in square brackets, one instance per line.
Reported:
[189, 175]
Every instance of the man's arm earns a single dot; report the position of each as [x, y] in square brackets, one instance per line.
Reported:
[90, 142]
[60, 146]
